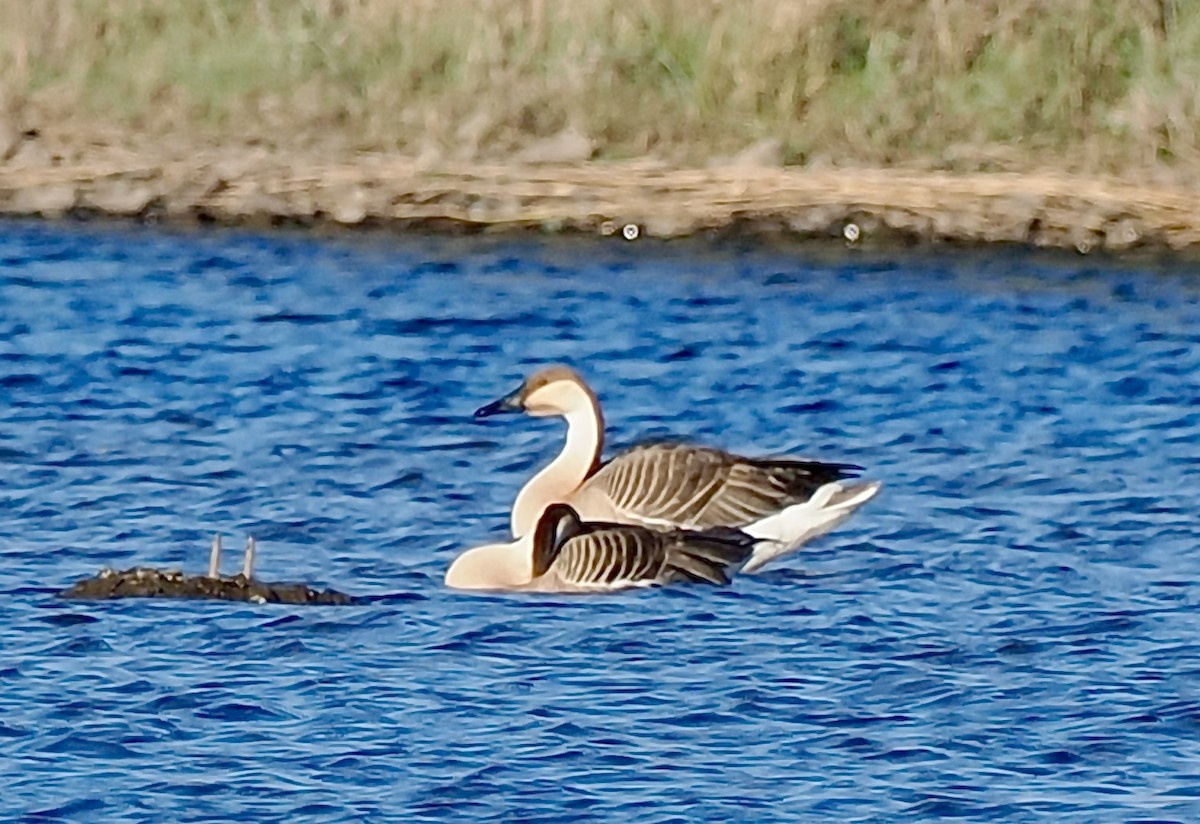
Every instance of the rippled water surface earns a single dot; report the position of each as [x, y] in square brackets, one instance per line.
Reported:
[1009, 632]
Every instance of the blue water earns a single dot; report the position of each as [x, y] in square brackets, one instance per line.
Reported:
[1009, 632]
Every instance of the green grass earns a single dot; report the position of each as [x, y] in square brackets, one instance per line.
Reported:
[1098, 84]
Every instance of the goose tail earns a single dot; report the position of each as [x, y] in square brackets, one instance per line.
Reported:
[709, 556]
[787, 531]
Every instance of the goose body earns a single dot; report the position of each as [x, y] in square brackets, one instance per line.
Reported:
[785, 503]
[567, 554]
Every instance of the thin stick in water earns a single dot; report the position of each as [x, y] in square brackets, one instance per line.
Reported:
[214, 557]
[248, 563]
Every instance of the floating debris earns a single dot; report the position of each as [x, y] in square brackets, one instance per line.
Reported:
[147, 582]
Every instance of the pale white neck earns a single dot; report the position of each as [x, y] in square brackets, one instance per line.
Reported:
[496, 566]
[566, 473]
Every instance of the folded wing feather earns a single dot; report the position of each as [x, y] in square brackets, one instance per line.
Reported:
[615, 556]
[696, 487]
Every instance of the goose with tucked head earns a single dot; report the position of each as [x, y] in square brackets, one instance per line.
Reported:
[567, 554]
[784, 503]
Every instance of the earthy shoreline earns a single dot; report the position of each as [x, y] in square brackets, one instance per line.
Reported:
[252, 185]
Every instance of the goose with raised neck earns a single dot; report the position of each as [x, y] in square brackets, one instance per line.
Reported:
[555, 391]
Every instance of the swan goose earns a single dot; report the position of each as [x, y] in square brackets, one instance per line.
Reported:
[784, 503]
[570, 555]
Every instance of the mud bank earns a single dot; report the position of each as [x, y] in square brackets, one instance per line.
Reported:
[146, 582]
[256, 186]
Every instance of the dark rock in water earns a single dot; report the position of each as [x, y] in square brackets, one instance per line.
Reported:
[145, 582]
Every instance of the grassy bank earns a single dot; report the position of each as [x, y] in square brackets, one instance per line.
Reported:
[1092, 85]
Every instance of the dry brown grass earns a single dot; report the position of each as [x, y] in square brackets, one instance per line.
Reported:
[1094, 85]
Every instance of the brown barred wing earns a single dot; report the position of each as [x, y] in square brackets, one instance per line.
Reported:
[611, 557]
[693, 487]
[616, 556]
